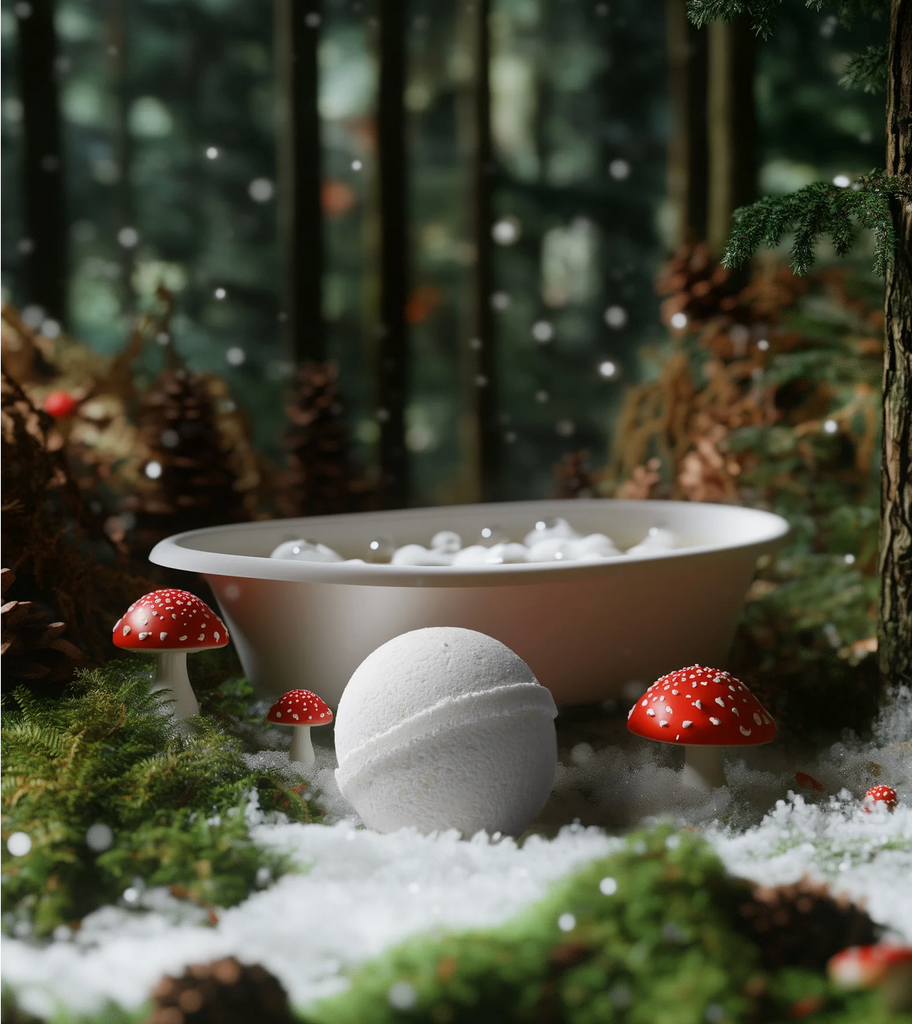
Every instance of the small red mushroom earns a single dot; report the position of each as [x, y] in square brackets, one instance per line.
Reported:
[703, 710]
[301, 709]
[171, 624]
[885, 795]
[883, 965]
[60, 404]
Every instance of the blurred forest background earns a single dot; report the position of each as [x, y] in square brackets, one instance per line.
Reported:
[171, 125]
[450, 252]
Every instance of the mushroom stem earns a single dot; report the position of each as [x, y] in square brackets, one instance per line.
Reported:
[301, 747]
[171, 674]
[703, 767]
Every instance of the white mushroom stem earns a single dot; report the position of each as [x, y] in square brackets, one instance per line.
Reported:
[171, 674]
[703, 767]
[301, 747]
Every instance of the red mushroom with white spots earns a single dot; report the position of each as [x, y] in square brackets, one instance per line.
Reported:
[702, 710]
[884, 966]
[300, 709]
[171, 624]
[884, 796]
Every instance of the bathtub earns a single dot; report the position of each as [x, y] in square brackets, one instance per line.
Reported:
[585, 629]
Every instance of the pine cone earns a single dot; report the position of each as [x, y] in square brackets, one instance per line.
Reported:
[573, 479]
[33, 648]
[698, 286]
[194, 483]
[221, 992]
[645, 481]
[803, 925]
[320, 478]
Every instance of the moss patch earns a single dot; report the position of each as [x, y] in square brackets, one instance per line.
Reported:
[109, 789]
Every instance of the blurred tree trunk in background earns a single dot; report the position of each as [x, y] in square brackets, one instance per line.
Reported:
[391, 369]
[731, 125]
[895, 628]
[297, 36]
[45, 242]
[123, 148]
[479, 434]
[688, 165]
[712, 148]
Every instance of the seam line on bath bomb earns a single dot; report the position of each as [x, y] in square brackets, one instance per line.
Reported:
[453, 712]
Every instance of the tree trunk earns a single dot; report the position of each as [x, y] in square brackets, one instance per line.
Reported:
[297, 40]
[688, 151]
[45, 245]
[895, 626]
[118, 41]
[731, 125]
[392, 330]
[479, 435]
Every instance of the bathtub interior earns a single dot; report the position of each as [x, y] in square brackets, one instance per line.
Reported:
[698, 526]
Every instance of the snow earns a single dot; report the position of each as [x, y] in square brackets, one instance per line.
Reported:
[359, 892]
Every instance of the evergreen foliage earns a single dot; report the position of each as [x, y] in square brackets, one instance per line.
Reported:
[820, 209]
[762, 13]
[649, 935]
[809, 632]
[774, 402]
[867, 70]
[172, 795]
[815, 211]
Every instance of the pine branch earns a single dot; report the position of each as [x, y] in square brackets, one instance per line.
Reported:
[762, 13]
[816, 211]
[867, 70]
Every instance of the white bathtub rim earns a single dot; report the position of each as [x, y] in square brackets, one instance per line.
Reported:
[766, 531]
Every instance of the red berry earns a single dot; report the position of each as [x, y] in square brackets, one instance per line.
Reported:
[60, 404]
[880, 795]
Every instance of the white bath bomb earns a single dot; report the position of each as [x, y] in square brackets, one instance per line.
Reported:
[306, 551]
[560, 529]
[415, 554]
[474, 554]
[507, 553]
[446, 542]
[656, 542]
[594, 544]
[446, 728]
[550, 550]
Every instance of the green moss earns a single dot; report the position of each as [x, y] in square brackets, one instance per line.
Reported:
[167, 800]
[657, 944]
[12, 1013]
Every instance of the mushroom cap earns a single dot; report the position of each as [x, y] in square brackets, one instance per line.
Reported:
[299, 707]
[863, 966]
[880, 795]
[169, 620]
[698, 706]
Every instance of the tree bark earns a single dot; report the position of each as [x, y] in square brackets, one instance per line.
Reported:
[118, 41]
[301, 220]
[895, 626]
[731, 125]
[688, 151]
[479, 436]
[46, 242]
[392, 328]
